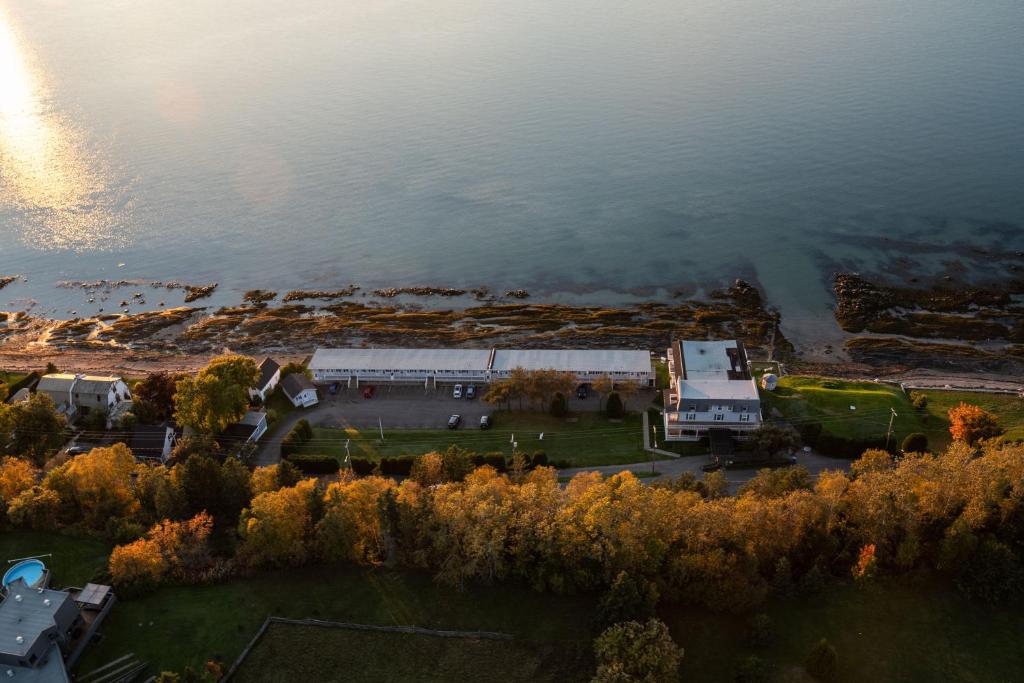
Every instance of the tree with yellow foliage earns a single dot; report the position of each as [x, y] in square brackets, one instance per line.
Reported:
[16, 475]
[276, 528]
[350, 529]
[96, 487]
[217, 396]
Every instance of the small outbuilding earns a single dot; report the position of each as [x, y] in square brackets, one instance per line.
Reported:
[769, 381]
[270, 375]
[299, 390]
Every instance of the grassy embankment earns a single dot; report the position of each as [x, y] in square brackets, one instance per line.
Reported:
[591, 440]
[802, 399]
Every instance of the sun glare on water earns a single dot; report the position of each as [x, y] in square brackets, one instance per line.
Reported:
[54, 192]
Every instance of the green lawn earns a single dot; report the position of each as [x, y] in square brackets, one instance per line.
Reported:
[74, 561]
[289, 652]
[912, 631]
[188, 625]
[591, 440]
[802, 398]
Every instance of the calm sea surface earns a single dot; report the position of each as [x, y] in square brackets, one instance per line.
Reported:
[580, 150]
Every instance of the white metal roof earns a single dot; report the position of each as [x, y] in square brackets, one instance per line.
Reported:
[707, 359]
[573, 360]
[400, 359]
[719, 389]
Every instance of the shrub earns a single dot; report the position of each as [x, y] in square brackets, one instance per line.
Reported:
[361, 466]
[918, 400]
[539, 459]
[559, 406]
[992, 573]
[613, 406]
[634, 651]
[971, 424]
[495, 460]
[809, 433]
[397, 467]
[629, 598]
[753, 669]
[915, 443]
[822, 661]
[315, 464]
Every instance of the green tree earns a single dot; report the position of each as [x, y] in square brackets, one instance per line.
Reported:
[822, 662]
[217, 396]
[629, 598]
[915, 443]
[559, 406]
[753, 669]
[33, 429]
[613, 406]
[769, 439]
[634, 651]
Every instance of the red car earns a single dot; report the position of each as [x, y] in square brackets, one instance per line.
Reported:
[368, 392]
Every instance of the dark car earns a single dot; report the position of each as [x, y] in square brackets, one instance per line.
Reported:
[454, 421]
[75, 450]
[471, 391]
[485, 422]
[711, 467]
[582, 391]
[333, 389]
[368, 392]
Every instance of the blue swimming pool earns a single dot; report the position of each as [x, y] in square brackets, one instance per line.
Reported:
[31, 571]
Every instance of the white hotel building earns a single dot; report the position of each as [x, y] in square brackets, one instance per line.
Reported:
[711, 392]
[431, 367]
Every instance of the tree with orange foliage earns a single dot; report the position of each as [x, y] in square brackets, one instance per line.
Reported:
[971, 424]
[137, 566]
[16, 475]
[175, 550]
[866, 563]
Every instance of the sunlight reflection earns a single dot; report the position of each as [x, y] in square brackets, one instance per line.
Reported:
[52, 188]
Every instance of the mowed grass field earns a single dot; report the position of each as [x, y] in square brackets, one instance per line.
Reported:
[289, 652]
[801, 399]
[72, 561]
[905, 630]
[590, 440]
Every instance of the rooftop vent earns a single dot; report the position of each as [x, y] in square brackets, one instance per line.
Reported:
[17, 598]
[46, 602]
[19, 640]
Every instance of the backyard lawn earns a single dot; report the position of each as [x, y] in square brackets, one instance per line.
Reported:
[289, 652]
[73, 561]
[895, 631]
[591, 440]
[800, 399]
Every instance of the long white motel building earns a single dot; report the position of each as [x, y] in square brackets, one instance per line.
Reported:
[431, 367]
[712, 392]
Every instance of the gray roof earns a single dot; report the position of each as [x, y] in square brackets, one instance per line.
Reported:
[86, 384]
[267, 369]
[573, 360]
[51, 670]
[58, 382]
[253, 418]
[295, 384]
[400, 359]
[31, 616]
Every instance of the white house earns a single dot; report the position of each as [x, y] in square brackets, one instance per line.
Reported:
[712, 391]
[246, 431]
[299, 390]
[153, 442]
[270, 375]
[73, 394]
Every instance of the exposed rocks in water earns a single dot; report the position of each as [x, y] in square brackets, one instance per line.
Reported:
[259, 296]
[480, 293]
[194, 292]
[518, 294]
[391, 292]
[300, 294]
[742, 293]
[6, 280]
[897, 353]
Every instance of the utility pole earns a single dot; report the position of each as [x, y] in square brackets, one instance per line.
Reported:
[888, 432]
[348, 455]
[380, 424]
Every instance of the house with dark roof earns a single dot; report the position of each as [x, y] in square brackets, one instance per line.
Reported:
[270, 375]
[246, 431]
[37, 626]
[153, 442]
[299, 390]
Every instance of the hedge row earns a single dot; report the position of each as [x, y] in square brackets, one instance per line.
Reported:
[315, 464]
[402, 465]
[294, 440]
[813, 435]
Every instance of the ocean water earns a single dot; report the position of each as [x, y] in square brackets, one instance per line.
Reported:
[604, 151]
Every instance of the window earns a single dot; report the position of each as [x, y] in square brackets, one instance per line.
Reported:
[719, 417]
[691, 416]
[745, 417]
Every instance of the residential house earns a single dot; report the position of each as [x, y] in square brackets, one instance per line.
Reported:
[37, 626]
[712, 393]
[270, 375]
[299, 390]
[153, 442]
[81, 394]
[246, 431]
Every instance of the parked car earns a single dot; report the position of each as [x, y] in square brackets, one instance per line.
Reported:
[457, 391]
[711, 466]
[368, 392]
[582, 391]
[471, 391]
[454, 421]
[485, 422]
[333, 389]
[75, 450]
